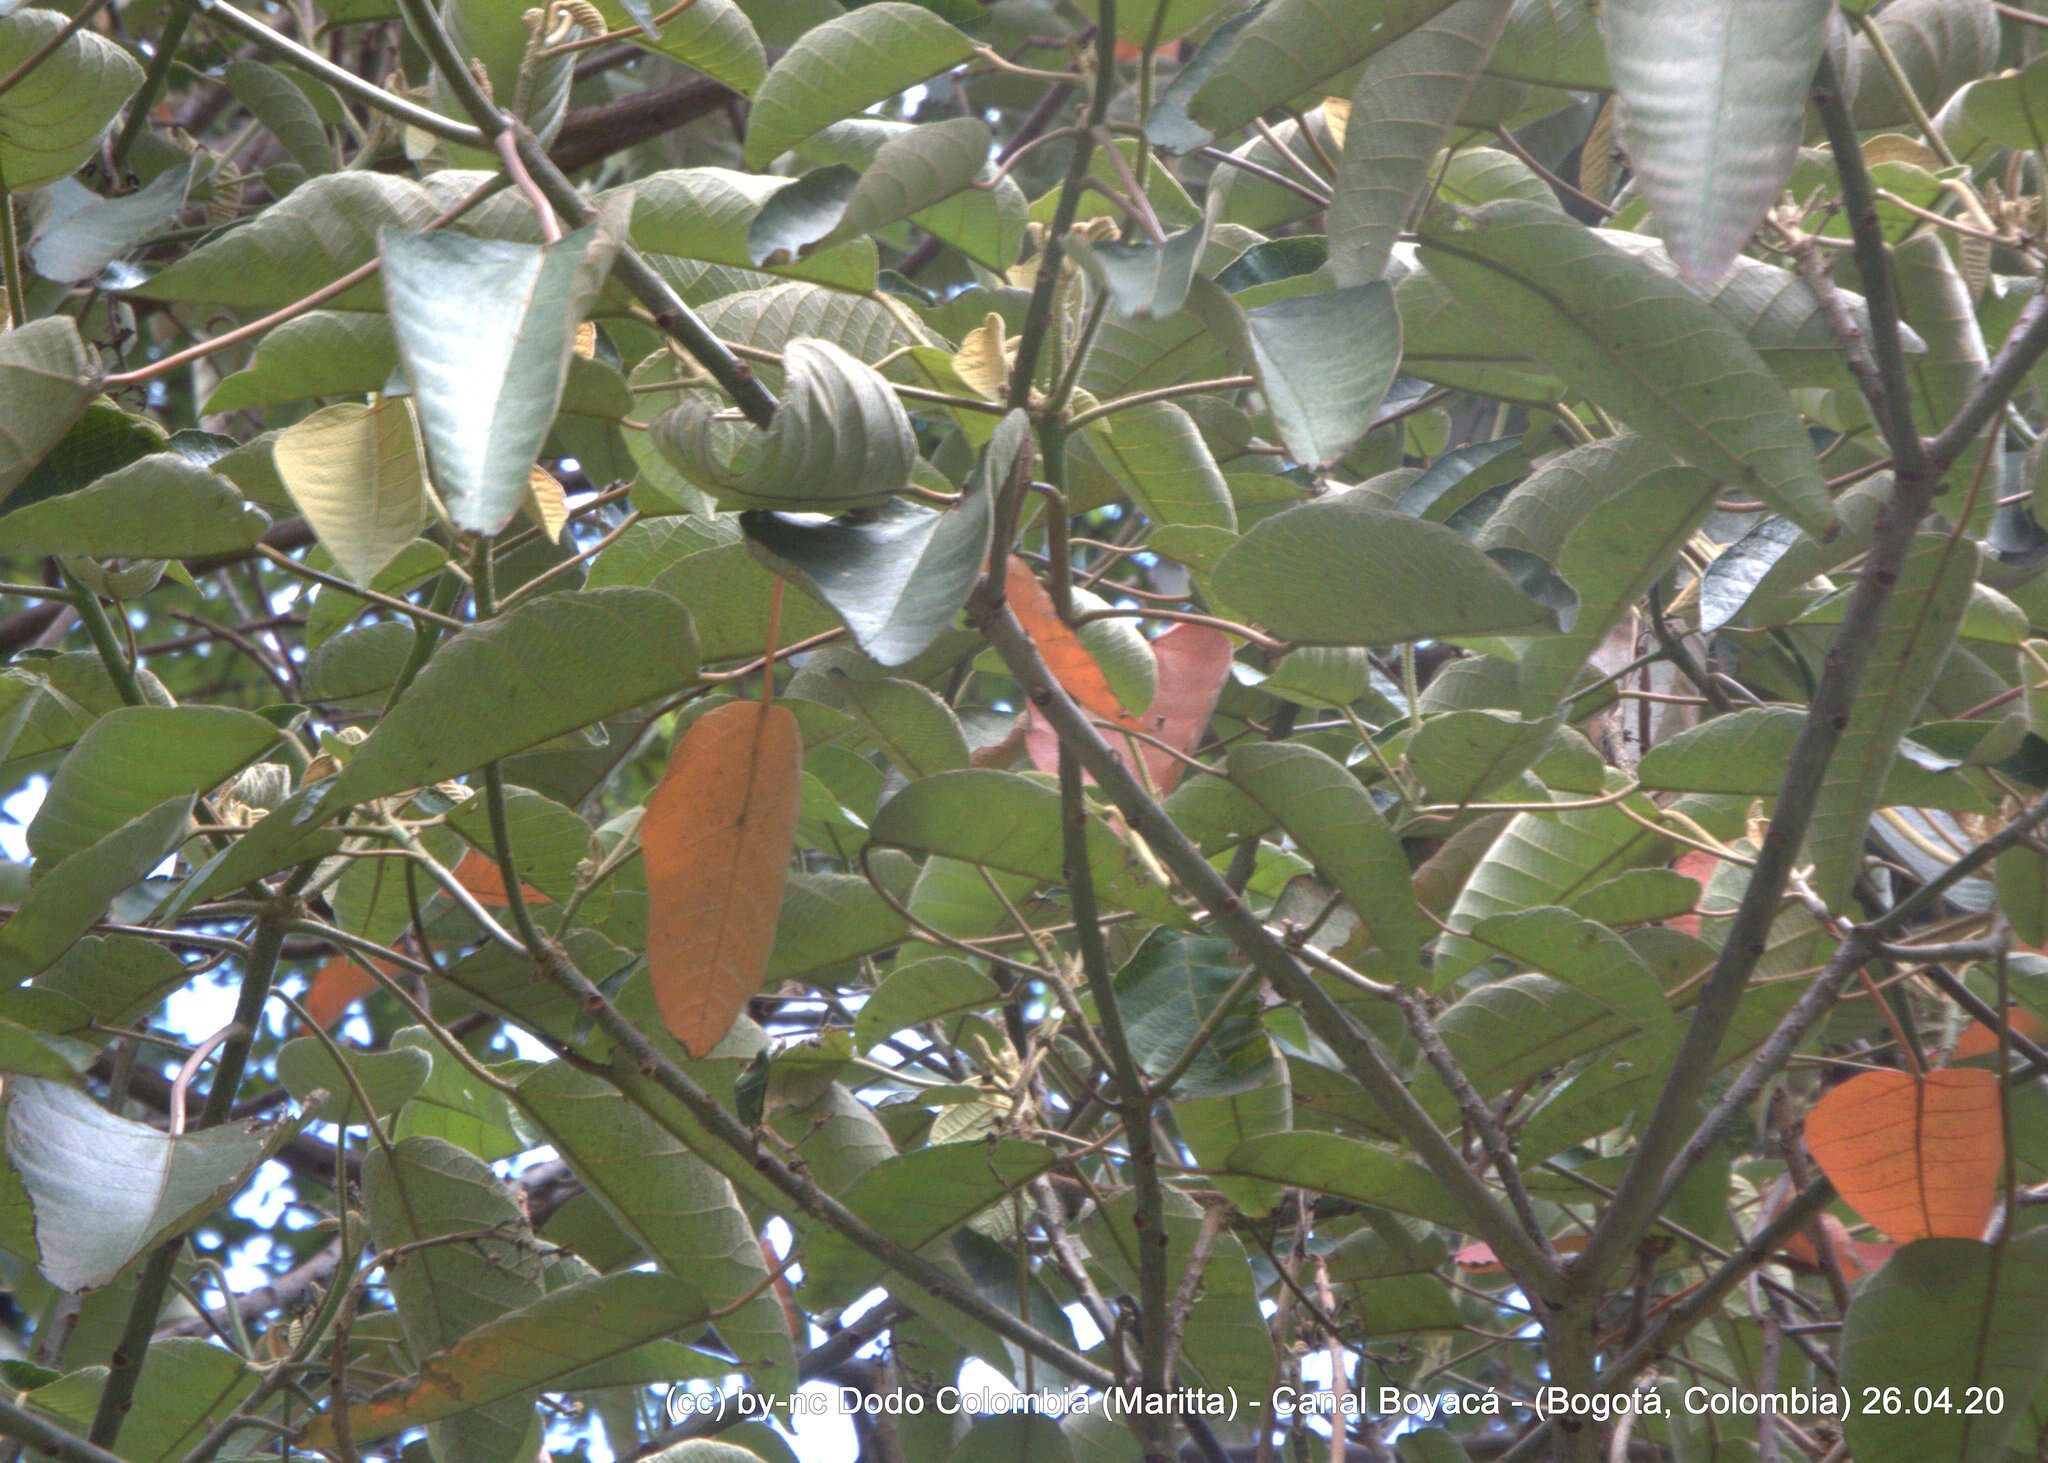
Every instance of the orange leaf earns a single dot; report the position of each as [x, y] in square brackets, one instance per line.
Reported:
[717, 837]
[337, 985]
[480, 875]
[1194, 661]
[1065, 656]
[1698, 865]
[1918, 1157]
[1856, 1257]
[1479, 1258]
[1980, 1040]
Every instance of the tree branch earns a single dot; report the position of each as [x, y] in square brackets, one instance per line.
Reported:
[1518, 1251]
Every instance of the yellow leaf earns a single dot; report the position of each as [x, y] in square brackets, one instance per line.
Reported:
[545, 503]
[983, 360]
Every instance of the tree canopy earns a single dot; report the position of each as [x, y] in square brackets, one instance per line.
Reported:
[1087, 731]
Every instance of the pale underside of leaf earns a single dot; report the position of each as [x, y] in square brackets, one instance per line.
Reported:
[1713, 100]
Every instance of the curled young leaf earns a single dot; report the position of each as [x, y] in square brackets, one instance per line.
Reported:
[839, 439]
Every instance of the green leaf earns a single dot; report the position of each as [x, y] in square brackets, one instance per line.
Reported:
[101, 439]
[1329, 1164]
[1332, 819]
[1916, 630]
[359, 474]
[1446, 344]
[1004, 821]
[131, 760]
[1745, 752]
[356, 669]
[730, 592]
[1553, 43]
[1169, 127]
[923, 990]
[549, 666]
[1345, 570]
[1937, 303]
[1144, 280]
[1640, 345]
[324, 228]
[277, 842]
[46, 380]
[1323, 362]
[319, 353]
[838, 440]
[913, 171]
[1402, 110]
[493, 36]
[28, 1052]
[420, 1191]
[2008, 111]
[1939, 45]
[107, 1188]
[1612, 516]
[984, 222]
[1953, 1316]
[1214, 1127]
[708, 214]
[801, 216]
[508, 1357]
[388, 1079]
[827, 919]
[485, 330]
[845, 66]
[110, 980]
[186, 1386]
[53, 118]
[1712, 102]
[1544, 858]
[1140, 20]
[1171, 984]
[913, 727]
[1017, 1437]
[1590, 959]
[915, 1199]
[67, 900]
[1640, 896]
[86, 233]
[1290, 46]
[1514, 1030]
[1462, 755]
[1157, 455]
[898, 577]
[681, 1211]
[552, 841]
[454, 1106]
[712, 36]
[162, 506]
[284, 111]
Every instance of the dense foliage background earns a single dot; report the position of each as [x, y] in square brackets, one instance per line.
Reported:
[1163, 704]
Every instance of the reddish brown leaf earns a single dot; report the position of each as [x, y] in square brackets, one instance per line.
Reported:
[1917, 1157]
[717, 838]
[479, 874]
[337, 985]
[1194, 662]
[1698, 865]
[1980, 1040]
[1857, 1258]
[1065, 656]
[1480, 1260]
